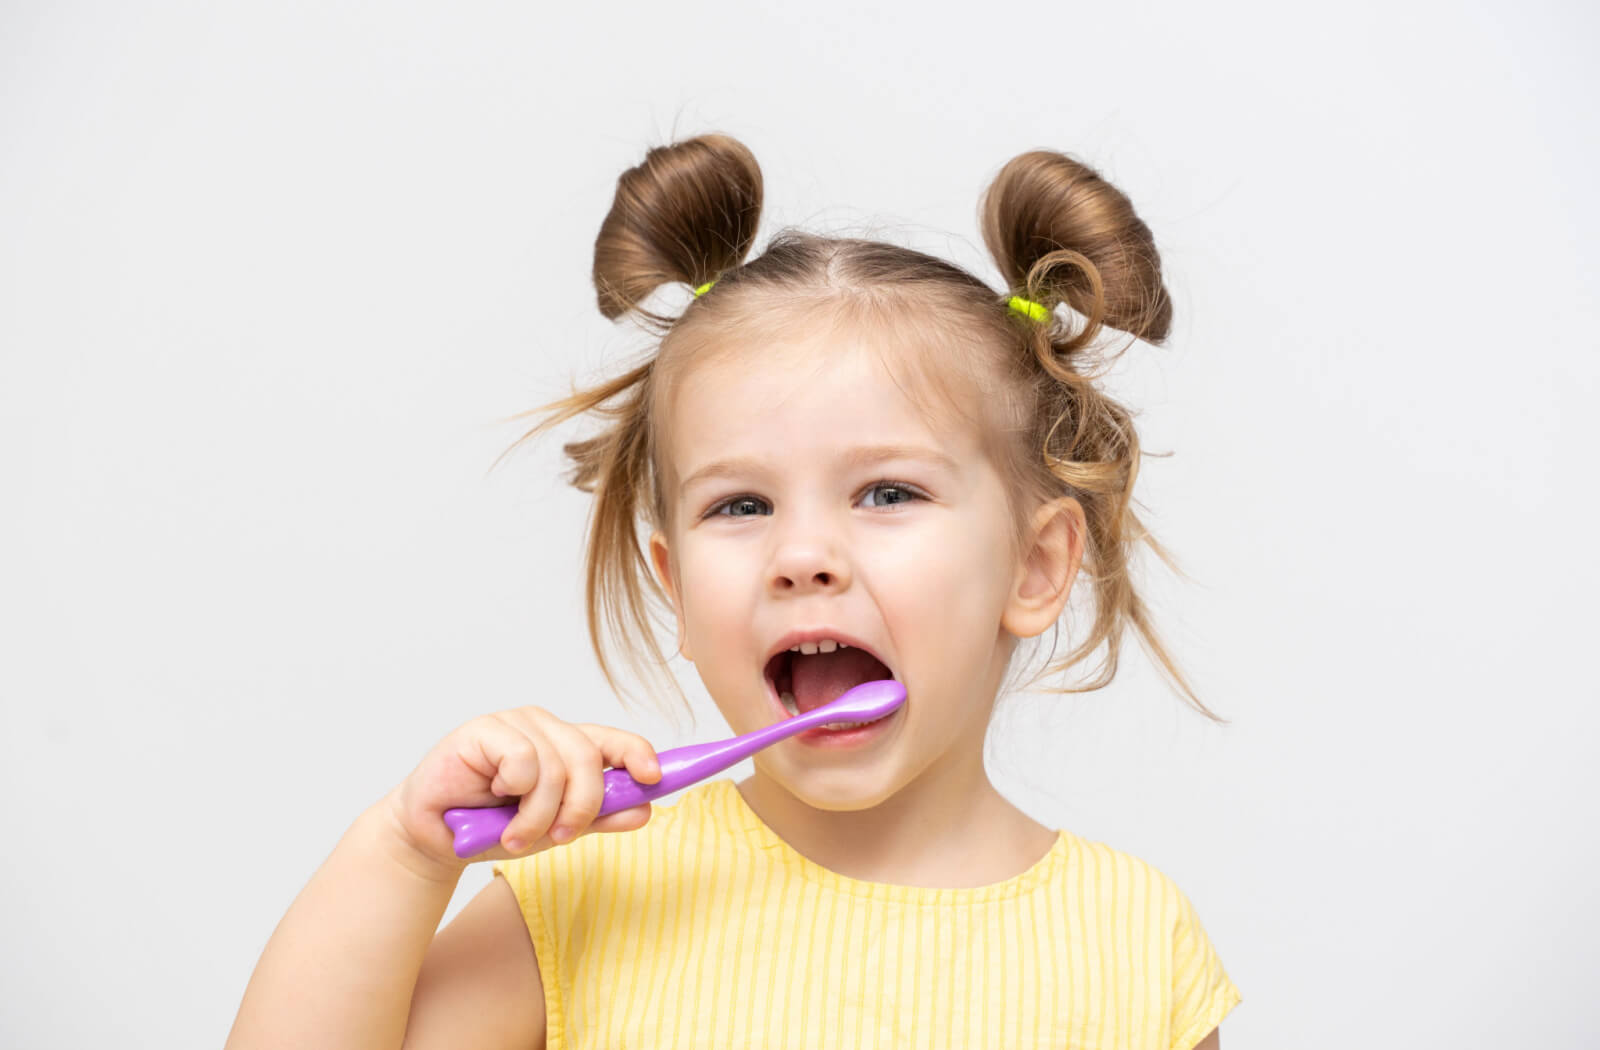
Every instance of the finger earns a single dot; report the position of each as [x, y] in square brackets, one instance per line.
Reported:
[624, 750]
[506, 755]
[582, 750]
[541, 797]
[632, 752]
[585, 781]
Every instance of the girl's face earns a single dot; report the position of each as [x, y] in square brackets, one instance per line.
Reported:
[809, 493]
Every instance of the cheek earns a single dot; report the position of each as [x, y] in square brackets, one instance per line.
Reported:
[957, 562]
[716, 589]
[951, 591]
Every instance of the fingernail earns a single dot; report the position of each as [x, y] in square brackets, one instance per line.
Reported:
[515, 845]
[560, 833]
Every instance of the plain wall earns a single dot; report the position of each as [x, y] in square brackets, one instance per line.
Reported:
[272, 276]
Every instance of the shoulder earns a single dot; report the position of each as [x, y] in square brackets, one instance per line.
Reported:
[1129, 899]
[1106, 878]
[1134, 908]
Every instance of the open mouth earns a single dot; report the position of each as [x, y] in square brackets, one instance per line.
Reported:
[801, 682]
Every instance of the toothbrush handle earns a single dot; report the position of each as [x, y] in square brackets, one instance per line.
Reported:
[477, 829]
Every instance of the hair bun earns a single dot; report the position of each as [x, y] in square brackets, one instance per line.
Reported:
[687, 212]
[1061, 233]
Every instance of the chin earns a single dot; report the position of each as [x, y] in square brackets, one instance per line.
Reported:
[838, 790]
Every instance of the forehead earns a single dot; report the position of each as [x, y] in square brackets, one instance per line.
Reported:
[812, 397]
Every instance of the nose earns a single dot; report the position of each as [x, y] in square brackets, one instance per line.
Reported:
[807, 565]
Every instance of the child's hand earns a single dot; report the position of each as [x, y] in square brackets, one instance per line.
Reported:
[556, 767]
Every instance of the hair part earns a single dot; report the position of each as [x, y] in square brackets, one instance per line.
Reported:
[1060, 234]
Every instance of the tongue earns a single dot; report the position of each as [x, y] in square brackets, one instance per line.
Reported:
[822, 678]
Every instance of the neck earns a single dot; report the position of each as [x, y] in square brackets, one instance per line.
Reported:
[948, 828]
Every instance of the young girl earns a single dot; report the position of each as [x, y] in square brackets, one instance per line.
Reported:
[854, 461]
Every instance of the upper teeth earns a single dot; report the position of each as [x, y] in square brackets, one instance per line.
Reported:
[825, 645]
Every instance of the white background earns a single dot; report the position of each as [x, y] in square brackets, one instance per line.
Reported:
[273, 275]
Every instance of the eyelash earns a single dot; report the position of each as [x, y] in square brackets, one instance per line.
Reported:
[910, 490]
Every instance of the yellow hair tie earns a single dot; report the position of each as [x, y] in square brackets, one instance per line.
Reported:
[703, 289]
[1029, 308]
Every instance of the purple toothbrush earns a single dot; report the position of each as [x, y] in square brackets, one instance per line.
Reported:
[478, 829]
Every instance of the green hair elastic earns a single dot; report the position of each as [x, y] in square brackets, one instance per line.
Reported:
[1025, 307]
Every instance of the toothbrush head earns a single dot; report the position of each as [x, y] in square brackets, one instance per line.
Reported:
[865, 702]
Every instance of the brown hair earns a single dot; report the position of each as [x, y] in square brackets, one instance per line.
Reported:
[1060, 233]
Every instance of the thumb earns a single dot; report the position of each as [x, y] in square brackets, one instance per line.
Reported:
[631, 819]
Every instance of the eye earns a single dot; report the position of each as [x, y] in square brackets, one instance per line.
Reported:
[734, 501]
[907, 493]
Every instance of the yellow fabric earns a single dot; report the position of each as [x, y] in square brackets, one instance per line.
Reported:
[705, 929]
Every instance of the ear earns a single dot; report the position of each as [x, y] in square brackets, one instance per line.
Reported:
[661, 558]
[1047, 568]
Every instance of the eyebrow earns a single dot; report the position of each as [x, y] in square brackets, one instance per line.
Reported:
[860, 456]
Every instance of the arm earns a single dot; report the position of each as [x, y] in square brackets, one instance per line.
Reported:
[341, 968]
[1211, 1042]
[355, 964]
[480, 984]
